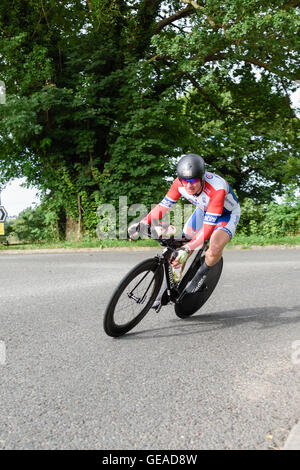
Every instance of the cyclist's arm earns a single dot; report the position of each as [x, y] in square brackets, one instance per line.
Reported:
[214, 210]
[160, 210]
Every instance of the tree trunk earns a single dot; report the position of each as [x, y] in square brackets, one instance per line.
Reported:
[71, 232]
[61, 223]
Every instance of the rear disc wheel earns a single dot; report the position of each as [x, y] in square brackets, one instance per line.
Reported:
[193, 302]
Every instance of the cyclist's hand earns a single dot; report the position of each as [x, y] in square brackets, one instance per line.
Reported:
[163, 230]
[136, 229]
[158, 230]
[179, 257]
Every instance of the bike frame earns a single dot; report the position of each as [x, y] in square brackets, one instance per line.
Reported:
[176, 291]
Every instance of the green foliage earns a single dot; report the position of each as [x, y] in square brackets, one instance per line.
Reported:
[103, 95]
[35, 225]
[89, 209]
[8, 226]
[43, 223]
[271, 220]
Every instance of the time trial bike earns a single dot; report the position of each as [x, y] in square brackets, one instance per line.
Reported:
[137, 291]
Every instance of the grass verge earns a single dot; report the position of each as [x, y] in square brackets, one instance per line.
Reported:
[246, 241]
[80, 244]
[239, 240]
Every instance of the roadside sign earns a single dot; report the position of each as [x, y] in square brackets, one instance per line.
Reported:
[1, 228]
[3, 214]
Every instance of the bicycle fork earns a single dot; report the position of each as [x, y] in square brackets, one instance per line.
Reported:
[140, 300]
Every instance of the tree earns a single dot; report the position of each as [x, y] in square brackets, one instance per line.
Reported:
[34, 225]
[102, 94]
[238, 61]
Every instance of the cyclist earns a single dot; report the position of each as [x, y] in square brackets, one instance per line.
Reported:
[215, 218]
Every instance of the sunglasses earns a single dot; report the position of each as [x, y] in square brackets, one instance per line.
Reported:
[191, 180]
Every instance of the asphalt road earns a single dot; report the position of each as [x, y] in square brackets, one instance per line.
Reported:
[227, 378]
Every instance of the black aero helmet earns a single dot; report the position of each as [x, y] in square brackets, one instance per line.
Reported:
[190, 166]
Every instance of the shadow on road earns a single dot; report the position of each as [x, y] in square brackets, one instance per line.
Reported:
[264, 317]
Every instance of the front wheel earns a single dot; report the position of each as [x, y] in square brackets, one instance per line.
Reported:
[193, 302]
[133, 298]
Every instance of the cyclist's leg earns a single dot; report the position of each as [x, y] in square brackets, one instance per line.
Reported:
[223, 233]
[217, 243]
[192, 226]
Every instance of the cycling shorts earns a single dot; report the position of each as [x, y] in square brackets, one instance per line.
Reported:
[227, 222]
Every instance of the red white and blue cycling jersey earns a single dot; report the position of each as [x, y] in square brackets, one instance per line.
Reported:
[217, 208]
